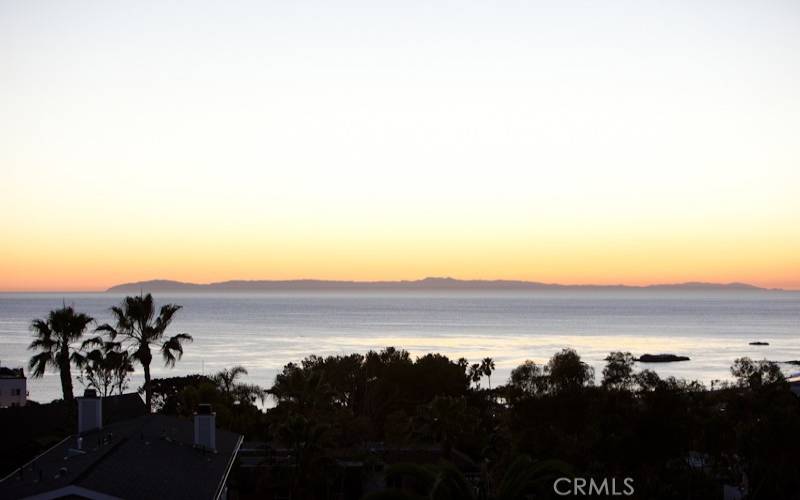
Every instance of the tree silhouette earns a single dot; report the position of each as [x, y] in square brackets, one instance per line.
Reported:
[487, 367]
[106, 368]
[444, 420]
[226, 381]
[226, 378]
[306, 438]
[475, 373]
[528, 379]
[755, 374]
[567, 372]
[54, 338]
[618, 372]
[304, 391]
[140, 329]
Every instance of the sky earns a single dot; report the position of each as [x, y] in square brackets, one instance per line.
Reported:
[610, 142]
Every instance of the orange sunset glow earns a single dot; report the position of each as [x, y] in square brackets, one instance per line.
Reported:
[133, 150]
[611, 258]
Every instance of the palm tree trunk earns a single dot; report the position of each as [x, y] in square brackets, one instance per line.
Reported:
[66, 375]
[148, 392]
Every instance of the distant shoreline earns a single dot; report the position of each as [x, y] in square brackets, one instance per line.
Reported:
[426, 284]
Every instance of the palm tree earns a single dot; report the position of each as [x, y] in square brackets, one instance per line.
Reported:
[475, 374]
[139, 327]
[226, 378]
[54, 338]
[487, 367]
[305, 392]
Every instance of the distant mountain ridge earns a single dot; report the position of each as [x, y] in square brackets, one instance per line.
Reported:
[162, 285]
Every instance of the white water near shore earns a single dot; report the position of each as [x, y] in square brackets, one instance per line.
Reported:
[265, 331]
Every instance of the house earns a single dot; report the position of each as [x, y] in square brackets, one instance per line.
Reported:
[150, 456]
[38, 427]
[794, 383]
[13, 387]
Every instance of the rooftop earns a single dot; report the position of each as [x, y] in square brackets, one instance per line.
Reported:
[11, 372]
[146, 457]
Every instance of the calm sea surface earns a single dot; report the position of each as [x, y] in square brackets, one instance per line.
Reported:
[265, 331]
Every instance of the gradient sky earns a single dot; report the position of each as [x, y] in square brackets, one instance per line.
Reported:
[575, 142]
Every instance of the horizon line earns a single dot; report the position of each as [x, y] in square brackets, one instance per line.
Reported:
[106, 289]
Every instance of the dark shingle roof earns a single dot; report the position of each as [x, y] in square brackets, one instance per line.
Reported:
[146, 457]
[37, 427]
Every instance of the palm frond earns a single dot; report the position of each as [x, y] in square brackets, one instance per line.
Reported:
[238, 370]
[79, 359]
[41, 328]
[39, 364]
[106, 328]
[77, 323]
[164, 319]
[45, 344]
[139, 311]
[111, 346]
[169, 358]
[172, 349]
[121, 318]
[92, 342]
[185, 337]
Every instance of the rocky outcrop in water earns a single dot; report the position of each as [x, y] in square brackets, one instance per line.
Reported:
[661, 358]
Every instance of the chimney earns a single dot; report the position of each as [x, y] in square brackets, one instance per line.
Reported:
[205, 428]
[90, 412]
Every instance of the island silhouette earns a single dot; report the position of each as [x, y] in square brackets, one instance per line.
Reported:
[426, 284]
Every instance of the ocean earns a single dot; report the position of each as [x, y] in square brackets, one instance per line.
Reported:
[264, 331]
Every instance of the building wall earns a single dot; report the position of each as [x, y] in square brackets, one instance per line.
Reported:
[13, 392]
